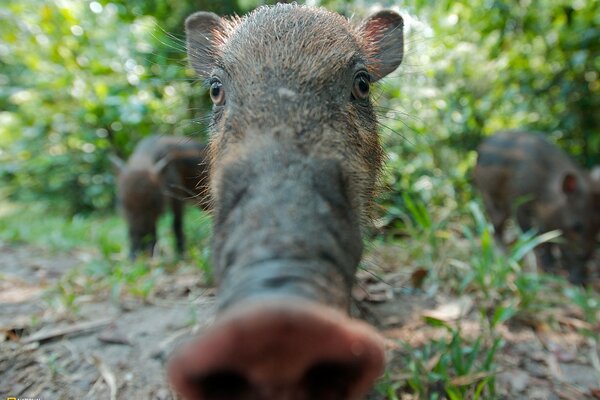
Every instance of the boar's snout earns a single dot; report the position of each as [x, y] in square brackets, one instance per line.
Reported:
[288, 230]
[280, 349]
[285, 249]
[295, 157]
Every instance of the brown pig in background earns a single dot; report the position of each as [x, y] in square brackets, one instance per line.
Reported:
[524, 175]
[162, 171]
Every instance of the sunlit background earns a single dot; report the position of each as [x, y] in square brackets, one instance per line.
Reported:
[80, 80]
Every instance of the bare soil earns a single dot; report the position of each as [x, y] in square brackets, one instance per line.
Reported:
[107, 349]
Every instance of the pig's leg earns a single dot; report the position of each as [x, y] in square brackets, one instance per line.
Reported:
[499, 214]
[177, 207]
[545, 259]
[576, 265]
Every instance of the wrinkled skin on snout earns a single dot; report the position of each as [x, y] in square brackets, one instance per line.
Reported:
[522, 174]
[295, 156]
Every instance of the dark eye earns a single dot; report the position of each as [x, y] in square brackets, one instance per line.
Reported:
[217, 93]
[361, 86]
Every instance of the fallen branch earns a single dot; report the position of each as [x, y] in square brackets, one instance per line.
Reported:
[76, 329]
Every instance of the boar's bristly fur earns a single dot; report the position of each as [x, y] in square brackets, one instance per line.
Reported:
[294, 159]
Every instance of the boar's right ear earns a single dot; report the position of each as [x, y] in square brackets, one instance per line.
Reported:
[383, 32]
[201, 31]
[569, 183]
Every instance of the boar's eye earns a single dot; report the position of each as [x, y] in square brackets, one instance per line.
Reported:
[217, 93]
[361, 86]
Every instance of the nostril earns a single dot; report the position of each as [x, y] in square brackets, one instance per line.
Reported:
[279, 348]
[330, 380]
[221, 385]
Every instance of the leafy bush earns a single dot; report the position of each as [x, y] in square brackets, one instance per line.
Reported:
[81, 80]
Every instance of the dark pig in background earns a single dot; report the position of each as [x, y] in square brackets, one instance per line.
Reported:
[295, 156]
[524, 175]
[162, 171]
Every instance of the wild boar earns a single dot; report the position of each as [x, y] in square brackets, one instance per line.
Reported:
[294, 159]
[163, 170]
[524, 175]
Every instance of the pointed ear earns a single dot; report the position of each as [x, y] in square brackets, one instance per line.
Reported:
[160, 165]
[569, 184]
[117, 163]
[201, 31]
[384, 33]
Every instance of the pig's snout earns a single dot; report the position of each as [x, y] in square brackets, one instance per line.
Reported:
[285, 248]
[280, 349]
[291, 233]
[294, 160]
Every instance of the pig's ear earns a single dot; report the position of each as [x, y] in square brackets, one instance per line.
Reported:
[161, 164]
[117, 163]
[384, 33]
[202, 30]
[570, 184]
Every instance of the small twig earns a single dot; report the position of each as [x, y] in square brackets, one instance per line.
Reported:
[26, 387]
[166, 343]
[569, 392]
[470, 379]
[75, 329]
[107, 375]
[93, 388]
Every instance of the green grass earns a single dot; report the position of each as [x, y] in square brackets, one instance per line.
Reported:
[459, 250]
[456, 246]
[38, 224]
[455, 367]
[108, 272]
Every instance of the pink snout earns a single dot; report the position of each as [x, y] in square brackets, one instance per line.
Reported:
[279, 350]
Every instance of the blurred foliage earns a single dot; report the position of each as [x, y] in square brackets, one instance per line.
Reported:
[81, 79]
[474, 68]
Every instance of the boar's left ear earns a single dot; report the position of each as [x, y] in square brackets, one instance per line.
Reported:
[160, 165]
[202, 30]
[383, 32]
[569, 184]
[117, 163]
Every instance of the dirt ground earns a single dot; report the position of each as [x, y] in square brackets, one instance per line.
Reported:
[118, 350]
